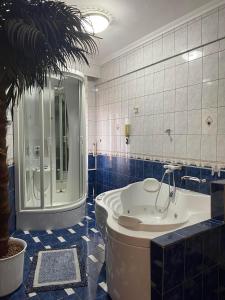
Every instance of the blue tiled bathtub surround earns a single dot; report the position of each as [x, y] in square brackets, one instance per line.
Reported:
[116, 172]
[189, 263]
[218, 199]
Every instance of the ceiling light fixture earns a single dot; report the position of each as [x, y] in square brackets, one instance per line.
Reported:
[95, 21]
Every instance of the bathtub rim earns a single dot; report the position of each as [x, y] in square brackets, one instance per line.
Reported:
[129, 236]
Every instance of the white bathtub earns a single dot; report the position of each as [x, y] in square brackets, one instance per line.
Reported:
[128, 221]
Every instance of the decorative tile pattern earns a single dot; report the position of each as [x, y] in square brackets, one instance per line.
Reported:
[116, 172]
[94, 254]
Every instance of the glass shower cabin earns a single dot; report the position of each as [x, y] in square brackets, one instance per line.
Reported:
[50, 143]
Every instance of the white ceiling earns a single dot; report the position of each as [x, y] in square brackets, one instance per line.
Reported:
[133, 19]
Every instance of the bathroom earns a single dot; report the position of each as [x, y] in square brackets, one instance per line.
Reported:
[124, 159]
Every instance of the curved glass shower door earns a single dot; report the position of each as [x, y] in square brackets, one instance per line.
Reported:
[51, 153]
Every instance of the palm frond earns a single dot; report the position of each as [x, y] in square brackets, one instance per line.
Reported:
[39, 37]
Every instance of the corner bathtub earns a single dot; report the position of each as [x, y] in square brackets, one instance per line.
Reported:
[128, 221]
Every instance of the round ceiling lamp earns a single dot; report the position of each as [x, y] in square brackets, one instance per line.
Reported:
[95, 21]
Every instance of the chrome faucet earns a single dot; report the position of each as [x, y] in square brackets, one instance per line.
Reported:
[196, 179]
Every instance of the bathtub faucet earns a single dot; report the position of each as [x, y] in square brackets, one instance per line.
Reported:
[196, 179]
[169, 171]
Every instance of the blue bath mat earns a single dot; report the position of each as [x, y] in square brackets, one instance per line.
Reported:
[57, 269]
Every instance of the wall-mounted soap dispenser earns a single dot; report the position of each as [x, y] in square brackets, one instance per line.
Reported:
[127, 132]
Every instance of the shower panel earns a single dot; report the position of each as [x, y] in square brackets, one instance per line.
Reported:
[50, 144]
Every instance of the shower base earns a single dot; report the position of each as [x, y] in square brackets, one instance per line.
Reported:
[51, 218]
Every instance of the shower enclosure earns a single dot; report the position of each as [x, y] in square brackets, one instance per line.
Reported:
[50, 145]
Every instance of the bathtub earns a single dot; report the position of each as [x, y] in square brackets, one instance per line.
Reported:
[128, 221]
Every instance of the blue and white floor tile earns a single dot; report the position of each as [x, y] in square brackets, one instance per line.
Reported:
[84, 233]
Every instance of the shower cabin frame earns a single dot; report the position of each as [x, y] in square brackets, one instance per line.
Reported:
[53, 217]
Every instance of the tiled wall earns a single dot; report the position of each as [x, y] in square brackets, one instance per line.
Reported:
[91, 102]
[182, 90]
[116, 172]
[189, 263]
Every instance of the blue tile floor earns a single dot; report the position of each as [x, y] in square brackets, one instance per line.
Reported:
[85, 234]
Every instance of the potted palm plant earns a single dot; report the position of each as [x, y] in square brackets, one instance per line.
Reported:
[37, 37]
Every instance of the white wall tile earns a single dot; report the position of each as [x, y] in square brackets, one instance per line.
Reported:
[181, 99]
[168, 44]
[147, 148]
[210, 94]
[169, 101]
[158, 81]
[181, 39]
[148, 125]
[158, 103]
[195, 54]
[169, 122]
[221, 93]
[181, 75]
[222, 45]
[157, 147]
[194, 33]
[140, 87]
[221, 23]
[148, 104]
[195, 71]
[212, 114]
[222, 64]
[180, 146]
[179, 94]
[149, 84]
[157, 49]
[210, 67]
[211, 48]
[221, 148]
[208, 147]
[195, 121]
[210, 27]
[148, 54]
[181, 122]
[158, 127]
[194, 146]
[221, 120]
[195, 96]
[168, 146]
[169, 79]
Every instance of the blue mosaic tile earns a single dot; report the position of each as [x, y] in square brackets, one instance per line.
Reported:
[72, 297]
[193, 288]
[167, 239]
[157, 267]
[193, 256]
[222, 281]
[174, 294]
[155, 295]
[157, 170]
[139, 169]
[174, 261]
[211, 284]
[96, 270]
[88, 292]
[91, 161]
[148, 169]
[211, 240]
[52, 295]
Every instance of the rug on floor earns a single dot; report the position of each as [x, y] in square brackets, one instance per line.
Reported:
[57, 269]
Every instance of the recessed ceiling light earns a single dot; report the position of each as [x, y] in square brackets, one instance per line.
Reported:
[95, 22]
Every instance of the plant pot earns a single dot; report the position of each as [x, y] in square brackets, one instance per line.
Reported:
[11, 270]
